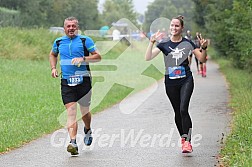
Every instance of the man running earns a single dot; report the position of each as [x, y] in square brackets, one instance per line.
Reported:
[76, 85]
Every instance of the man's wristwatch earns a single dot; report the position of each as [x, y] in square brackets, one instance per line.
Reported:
[84, 58]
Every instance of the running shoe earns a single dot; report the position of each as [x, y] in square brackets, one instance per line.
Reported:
[72, 148]
[187, 147]
[88, 137]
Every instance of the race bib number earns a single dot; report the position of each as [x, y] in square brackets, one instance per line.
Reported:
[74, 80]
[176, 72]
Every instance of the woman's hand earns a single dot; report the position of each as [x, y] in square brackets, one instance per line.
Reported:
[203, 42]
[156, 37]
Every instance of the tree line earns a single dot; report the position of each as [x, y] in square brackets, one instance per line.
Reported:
[46, 13]
[227, 23]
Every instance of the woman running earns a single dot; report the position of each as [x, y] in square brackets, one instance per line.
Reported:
[178, 76]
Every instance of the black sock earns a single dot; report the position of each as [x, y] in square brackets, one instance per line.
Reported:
[86, 130]
[186, 137]
[73, 141]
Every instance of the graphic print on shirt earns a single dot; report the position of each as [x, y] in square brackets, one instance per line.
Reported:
[177, 54]
[176, 59]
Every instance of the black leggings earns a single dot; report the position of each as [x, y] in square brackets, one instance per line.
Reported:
[179, 96]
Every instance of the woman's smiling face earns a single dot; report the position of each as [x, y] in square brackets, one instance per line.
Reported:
[176, 27]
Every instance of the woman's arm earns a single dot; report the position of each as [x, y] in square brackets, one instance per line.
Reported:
[150, 52]
[201, 53]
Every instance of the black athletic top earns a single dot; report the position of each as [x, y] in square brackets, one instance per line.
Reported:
[176, 58]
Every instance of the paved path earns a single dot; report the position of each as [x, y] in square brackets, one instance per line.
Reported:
[146, 137]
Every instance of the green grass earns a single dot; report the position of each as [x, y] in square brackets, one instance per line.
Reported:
[30, 102]
[30, 98]
[25, 44]
[237, 150]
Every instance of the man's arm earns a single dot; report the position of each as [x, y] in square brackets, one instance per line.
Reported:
[53, 62]
[94, 57]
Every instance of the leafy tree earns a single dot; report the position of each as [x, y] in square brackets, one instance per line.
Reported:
[11, 4]
[240, 28]
[115, 10]
[169, 9]
[34, 13]
[215, 21]
[9, 17]
[85, 10]
[200, 10]
[228, 24]
[45, 13]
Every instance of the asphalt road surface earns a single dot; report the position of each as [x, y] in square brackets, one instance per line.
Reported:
[145, 137]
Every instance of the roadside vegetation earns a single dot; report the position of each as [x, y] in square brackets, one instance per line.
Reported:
[237, 149]
[222, 22]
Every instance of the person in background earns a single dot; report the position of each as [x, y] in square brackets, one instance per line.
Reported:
[74, 51]
[189, 37]
[196, 42]
[116, 35]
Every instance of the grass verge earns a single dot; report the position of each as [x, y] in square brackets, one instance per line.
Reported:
[30, 102]
[237, 150]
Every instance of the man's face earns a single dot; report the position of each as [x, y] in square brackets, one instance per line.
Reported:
[71, 28]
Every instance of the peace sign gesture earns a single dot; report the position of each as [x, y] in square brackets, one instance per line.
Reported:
[157, 36]
[203, 42]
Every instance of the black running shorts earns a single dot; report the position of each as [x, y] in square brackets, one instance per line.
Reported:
[80, 93]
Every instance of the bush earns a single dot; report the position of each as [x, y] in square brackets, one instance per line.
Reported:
[31, 44]
[9, 17]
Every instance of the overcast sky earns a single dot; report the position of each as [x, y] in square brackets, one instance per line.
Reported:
[140, 5]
